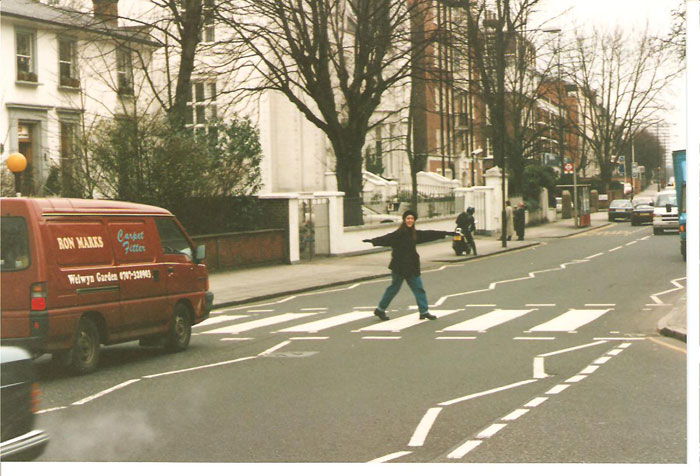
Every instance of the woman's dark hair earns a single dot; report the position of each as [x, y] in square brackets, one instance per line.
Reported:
[412, 230]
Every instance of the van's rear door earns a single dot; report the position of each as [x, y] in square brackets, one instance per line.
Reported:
[20, 266]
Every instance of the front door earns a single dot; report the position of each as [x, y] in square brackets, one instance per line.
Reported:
[25, 140]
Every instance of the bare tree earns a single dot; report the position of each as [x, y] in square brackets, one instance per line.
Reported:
[619, 78]
[333, 59]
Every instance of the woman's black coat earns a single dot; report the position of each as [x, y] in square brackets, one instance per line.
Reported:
[405, 260]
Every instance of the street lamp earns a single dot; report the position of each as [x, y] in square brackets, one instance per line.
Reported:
[17, 163]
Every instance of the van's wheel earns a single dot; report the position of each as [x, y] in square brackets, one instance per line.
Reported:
[85, 354]
[178, 337]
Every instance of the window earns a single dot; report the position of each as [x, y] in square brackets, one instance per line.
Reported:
[125, 72]
[15, 244]
[201, 105]
[209, 30]
[25, 47]
[172, 240]
[69, 139]
[68, 73]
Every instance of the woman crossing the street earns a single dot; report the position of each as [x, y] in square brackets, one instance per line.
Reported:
[405, 262]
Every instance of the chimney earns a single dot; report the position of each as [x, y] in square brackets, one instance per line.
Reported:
[106, 12]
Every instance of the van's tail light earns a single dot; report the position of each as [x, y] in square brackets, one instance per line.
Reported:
[34, 398]
[681, 228]
[37, 297]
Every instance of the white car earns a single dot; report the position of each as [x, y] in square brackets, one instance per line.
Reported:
[665, 212]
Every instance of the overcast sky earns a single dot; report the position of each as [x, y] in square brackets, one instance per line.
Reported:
[632, 15]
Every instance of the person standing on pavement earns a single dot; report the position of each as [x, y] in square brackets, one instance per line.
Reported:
[465, 222]
[519, 221]
[509, 221]
[405, 262]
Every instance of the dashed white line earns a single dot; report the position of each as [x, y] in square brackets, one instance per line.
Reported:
[536, 402]
[590, 369]
[105, 392]
[486, 392]
[390, 457]
[556, 389]
[464, 449]
[515, 414]
[491, 430]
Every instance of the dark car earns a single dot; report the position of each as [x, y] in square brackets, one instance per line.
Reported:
[643, 211]
[18, 399]
[620, 209]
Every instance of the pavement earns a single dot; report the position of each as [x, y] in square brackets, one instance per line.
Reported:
[253, 284]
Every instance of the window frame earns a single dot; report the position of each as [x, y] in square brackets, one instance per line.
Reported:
[125, 71]
[73, 79]
[30, 75]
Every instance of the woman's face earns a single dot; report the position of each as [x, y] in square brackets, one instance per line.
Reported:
[410, 220]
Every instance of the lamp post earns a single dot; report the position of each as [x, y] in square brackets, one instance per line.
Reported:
[17, 163]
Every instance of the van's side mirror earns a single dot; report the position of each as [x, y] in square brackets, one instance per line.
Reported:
[668, 207]
[200, 253]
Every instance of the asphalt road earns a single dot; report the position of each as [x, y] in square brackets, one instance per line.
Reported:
[548, 354]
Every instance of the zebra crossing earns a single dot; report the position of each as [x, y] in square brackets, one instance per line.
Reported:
[449, 321]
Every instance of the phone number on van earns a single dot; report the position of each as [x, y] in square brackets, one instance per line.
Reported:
[135, 274]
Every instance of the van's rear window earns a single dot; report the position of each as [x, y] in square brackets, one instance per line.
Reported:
[14, 244]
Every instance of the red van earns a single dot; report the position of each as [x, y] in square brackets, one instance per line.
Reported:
[76, 274]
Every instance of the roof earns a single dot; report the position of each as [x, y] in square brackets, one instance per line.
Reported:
[64, 17]
[79, 206]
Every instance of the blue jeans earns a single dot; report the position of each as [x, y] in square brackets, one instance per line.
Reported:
[416, 285]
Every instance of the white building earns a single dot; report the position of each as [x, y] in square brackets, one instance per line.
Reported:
[63, 70]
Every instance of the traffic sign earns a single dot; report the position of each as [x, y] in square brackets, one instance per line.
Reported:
[568, 168]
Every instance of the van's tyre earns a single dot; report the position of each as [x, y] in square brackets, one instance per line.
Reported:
[85, 354]
[178, 337]
[657, 231]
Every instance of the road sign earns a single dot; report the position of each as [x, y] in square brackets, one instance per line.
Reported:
[568, 168]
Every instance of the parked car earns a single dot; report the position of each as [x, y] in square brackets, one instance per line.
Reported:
[19, 399]
[665, 212]
[77, 274]
[643, 211]
[369, 216]
[620, 209]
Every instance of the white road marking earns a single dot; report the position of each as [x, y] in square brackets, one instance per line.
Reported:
[491, 430]
[105, 392]
[619, 338]
[536, 402]
[538, 368]
[390, 457]
[236, 338]
[262, 310]
[569, 349]
[534, 338]
[515, 414]
[48, 410]
[594, 256]
[480, 305]
[464, 449]
[589, 370]
[268, 321]
[219, 319]
[556, 389]
[488, 320]
[381, 337]
[655, 297]
[456, 338]
[315, 309]
[575, 378]
[570, 320]
[486, 392]
[308, 338]
[423, 428]
[540, 305]
[615, 351]
[600, 305]
[273, 348]
[601, 360]
[615, 249]
[208, 366]
[329, 322]
[399, 323]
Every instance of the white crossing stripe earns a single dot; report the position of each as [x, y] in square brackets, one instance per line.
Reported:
[268, 321]
[570, 320]
[488, 320]
[219, 319]
[400, 323]
[329, 322]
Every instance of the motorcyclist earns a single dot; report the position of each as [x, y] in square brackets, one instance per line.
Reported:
[465, 221]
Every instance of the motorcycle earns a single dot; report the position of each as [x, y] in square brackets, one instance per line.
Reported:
[460, 243]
